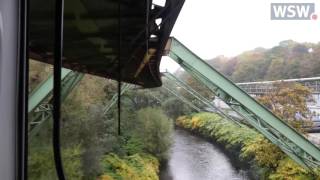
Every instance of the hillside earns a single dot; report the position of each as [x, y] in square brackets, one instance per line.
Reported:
[289, 59]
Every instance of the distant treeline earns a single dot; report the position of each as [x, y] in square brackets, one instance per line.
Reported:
[289, 59]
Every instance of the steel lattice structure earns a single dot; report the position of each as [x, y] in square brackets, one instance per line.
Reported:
[277, 131]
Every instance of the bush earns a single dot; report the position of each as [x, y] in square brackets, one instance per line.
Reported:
[175, 108]
[289, 170]
[155, 131]
[41, 165]
[247, 145]
[135, 167]
[265, 153]
[133, 145]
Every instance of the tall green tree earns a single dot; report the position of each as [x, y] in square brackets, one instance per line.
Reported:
[155, 131]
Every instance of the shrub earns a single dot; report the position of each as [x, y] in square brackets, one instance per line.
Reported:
[133, 145]
[155, 131]
[135, 167]
[247, 144]
[265, 153]
[174, 107]
[289, 170]
[41, 165]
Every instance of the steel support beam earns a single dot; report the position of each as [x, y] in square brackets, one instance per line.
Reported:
[40, 108]
[199, 97]
[181, 98]
[277, 131]
[41, 92]
[114, 98]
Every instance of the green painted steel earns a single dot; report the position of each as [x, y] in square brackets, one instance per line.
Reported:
[40, 99]
[187, 88]
[198, 96]
[181, 98]
[43, 90]
[277, 131]
[113, 100]
[155, 97]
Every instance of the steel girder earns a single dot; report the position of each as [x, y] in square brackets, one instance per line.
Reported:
[155, 97]
[114, 98]
[40, 108]
[198, 96]
[277, 131]
[181, 98]
[127, 87]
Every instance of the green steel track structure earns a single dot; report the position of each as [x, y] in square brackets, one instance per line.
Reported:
[39, 104]
[40, 108]
[198, 96]
[113, 100]
[273, 128]
[181, 98]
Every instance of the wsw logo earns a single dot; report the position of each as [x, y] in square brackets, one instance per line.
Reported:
[293, 11]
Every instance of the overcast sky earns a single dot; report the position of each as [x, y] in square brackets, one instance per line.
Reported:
[228, 27]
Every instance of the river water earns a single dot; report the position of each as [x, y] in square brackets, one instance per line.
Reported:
[193, 158]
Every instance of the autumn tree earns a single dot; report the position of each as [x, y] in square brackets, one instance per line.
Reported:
[287, 60]
[289, 102]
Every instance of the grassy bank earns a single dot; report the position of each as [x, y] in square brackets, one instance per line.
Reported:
[264, 159]
[112, 167]
[135, 167]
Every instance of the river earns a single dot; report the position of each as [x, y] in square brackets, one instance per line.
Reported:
[193, 158]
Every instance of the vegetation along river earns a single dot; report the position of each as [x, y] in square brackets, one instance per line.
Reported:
[194, 158]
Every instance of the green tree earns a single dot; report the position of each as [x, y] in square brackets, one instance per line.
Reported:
[175, 108]
[275, 70]
[155, 131]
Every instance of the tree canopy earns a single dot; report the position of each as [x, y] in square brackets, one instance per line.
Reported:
[289, 59]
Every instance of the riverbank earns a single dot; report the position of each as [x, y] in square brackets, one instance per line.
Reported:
[262, 159]
[237, 163]
[142, 145]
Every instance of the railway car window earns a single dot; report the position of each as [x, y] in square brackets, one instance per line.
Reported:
[125, 117]
[111, 52]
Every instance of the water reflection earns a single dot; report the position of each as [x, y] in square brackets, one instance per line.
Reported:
[193, 158]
